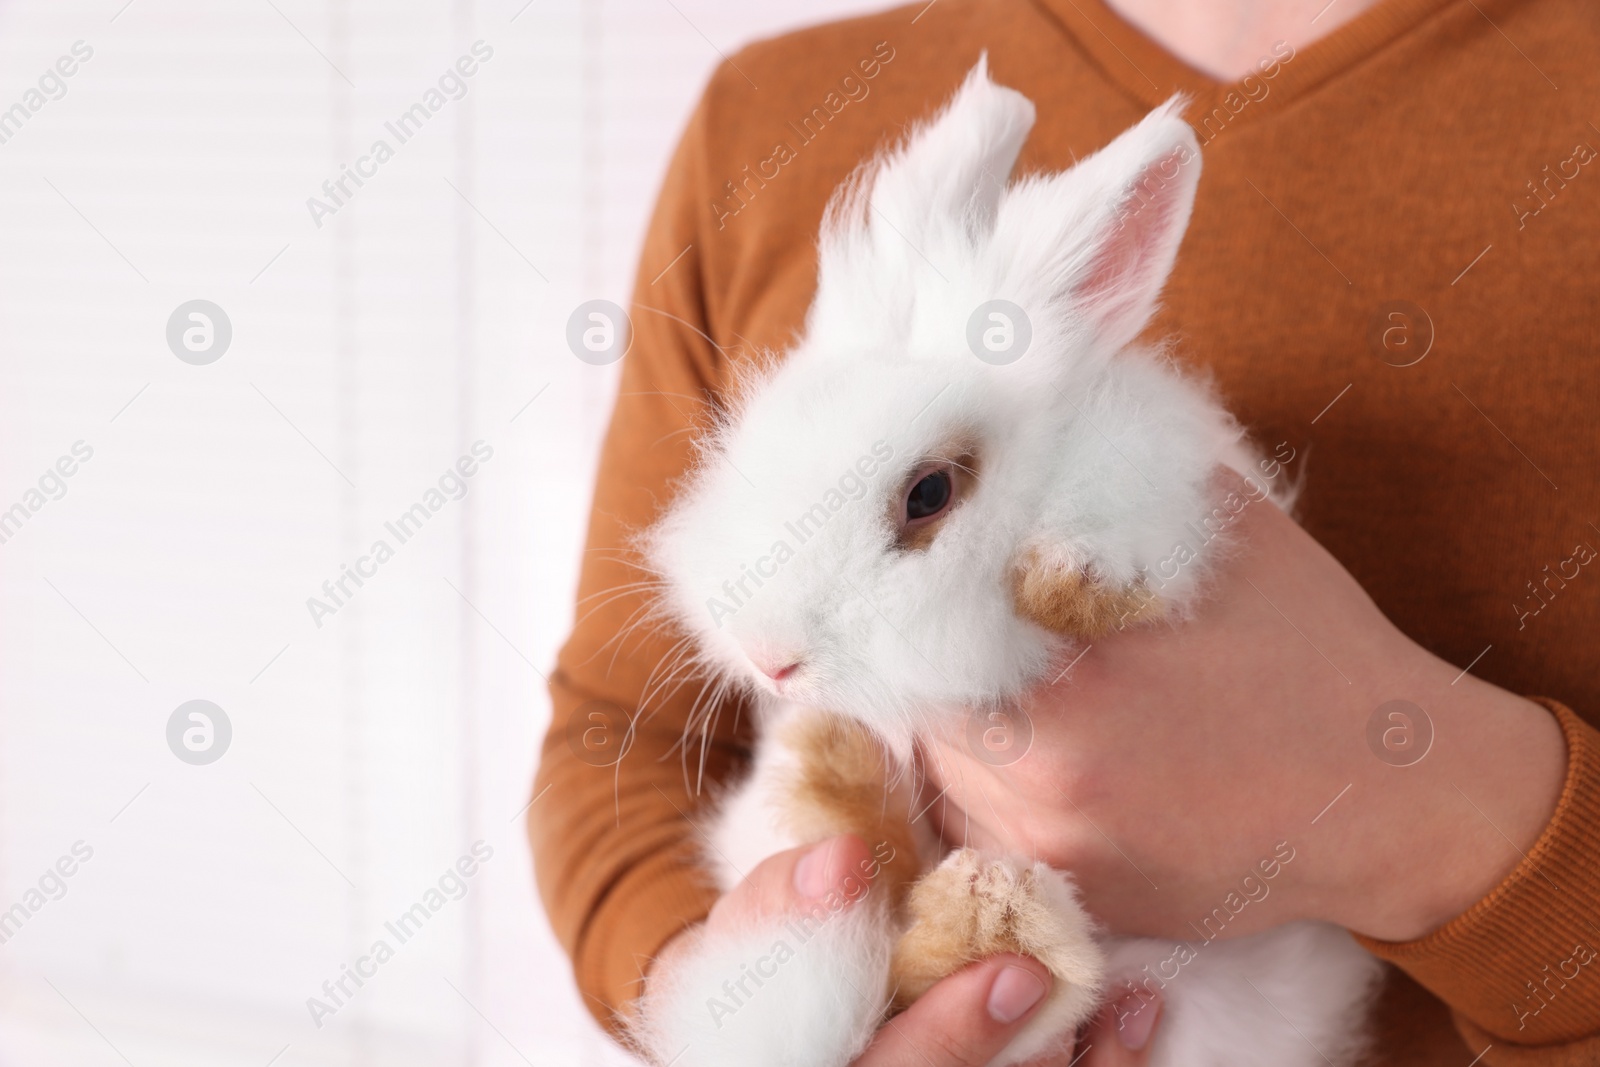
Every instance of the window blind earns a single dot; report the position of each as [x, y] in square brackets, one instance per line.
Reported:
[294, 476]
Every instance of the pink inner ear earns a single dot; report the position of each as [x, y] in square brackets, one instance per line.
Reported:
[1135, 252]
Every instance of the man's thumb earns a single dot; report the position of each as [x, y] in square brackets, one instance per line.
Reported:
[835, 873]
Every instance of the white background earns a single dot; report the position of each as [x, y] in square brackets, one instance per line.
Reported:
[369, 753]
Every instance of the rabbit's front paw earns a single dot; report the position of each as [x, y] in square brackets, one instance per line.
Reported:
[970, 907]
[1052, 587]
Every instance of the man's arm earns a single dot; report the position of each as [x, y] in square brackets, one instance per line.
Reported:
[612, 843]
[1520, 969]
[614, 851]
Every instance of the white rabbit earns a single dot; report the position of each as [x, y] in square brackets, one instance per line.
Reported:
[905, 522]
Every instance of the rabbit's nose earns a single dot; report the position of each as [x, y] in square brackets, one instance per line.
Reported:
[777, 674]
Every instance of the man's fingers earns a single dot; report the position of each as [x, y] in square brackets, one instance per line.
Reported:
[1122, 1034]
[785, 883]
[966, 1019]
[789, 881]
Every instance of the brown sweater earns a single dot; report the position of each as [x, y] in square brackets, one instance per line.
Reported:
[1434, 152]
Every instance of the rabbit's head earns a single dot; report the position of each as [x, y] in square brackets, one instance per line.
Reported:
[850, 536]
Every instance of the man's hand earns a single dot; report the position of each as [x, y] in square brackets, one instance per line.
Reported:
[1177, 761]
[964, 1020]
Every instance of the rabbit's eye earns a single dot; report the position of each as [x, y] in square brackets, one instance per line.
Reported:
[933, 490]
[929, 497]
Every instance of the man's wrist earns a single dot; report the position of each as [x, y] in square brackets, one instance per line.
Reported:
[1449, 828]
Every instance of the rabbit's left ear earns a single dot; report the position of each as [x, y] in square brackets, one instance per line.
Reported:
[1102, 237]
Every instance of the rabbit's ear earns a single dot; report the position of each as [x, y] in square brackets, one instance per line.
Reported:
[951, 171]
[931, 200]
[1102, 237]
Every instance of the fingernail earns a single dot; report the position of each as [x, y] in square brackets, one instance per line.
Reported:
[812, 876]
[1135, 1017]
[1015, 990]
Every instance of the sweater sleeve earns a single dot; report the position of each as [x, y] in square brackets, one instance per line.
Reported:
[621, 771]
[1520, 970]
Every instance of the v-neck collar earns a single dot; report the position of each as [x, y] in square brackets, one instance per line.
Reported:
[1150, 74]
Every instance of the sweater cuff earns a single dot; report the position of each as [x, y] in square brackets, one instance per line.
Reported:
[1522, 965]
[657, 898]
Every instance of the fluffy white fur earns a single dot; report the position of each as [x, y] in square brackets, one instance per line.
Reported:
[754, 819]
[810, 995]
[1090, 446]
[1294, 996]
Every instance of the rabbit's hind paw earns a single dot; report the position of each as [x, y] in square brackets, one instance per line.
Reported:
[970, 907]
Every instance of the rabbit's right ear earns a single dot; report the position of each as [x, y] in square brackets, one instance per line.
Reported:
[1101, 238]
[948, 176]
[932, 200]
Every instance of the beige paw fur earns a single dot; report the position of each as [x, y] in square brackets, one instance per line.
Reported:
[970, 907]
[1048, 587]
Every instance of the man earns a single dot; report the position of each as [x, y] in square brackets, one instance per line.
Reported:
[1390, 271]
